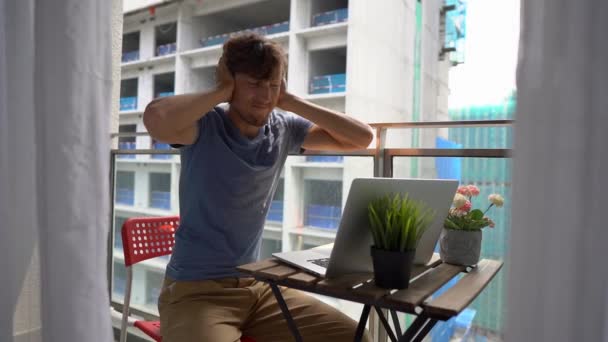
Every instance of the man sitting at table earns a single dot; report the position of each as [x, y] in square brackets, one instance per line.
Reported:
[231, 160]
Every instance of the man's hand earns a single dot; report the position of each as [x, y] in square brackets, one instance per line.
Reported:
[285, 98]
[224, 80]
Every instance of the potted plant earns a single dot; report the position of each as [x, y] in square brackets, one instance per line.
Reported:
[460, 240]
[397, 224]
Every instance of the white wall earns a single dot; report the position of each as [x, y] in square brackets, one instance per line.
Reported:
[117, 21]
[133, 5]
[380, 34]
[434, 83]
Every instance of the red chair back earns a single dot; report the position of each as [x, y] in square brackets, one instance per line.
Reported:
[144, 238]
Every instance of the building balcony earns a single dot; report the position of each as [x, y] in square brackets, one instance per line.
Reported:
[128, 103]
[161, 146]
[127, 146]
[130, 56]
[160, 200]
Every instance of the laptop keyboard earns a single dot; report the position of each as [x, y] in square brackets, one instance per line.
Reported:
[320, 262]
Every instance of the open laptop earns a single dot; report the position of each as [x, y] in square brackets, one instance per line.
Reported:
[350, 252]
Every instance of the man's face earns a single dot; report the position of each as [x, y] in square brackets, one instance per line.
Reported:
[254, 99]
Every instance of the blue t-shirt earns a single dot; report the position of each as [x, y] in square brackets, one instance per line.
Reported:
[227, 182]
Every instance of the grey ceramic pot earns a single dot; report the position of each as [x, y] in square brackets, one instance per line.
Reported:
[460, 247]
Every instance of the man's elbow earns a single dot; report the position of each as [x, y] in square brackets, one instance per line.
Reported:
[153, 119]
[360, 143]
[366, 138]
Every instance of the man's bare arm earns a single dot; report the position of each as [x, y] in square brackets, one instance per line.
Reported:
[174, 119]
[332, 130]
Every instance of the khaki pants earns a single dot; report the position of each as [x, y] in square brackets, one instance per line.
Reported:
[222, 310]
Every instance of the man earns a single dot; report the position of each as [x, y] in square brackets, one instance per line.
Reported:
[231, 159]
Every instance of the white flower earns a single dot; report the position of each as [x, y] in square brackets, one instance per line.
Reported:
[457, 212]
[459, 201]
[497, 200]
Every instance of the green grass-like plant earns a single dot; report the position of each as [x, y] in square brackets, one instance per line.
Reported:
[398, 222]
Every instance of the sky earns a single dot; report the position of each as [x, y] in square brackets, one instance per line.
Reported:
[488, 73]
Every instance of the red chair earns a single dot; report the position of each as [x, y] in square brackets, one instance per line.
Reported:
[145, 238]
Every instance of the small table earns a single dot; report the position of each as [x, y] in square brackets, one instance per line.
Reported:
[360, 288]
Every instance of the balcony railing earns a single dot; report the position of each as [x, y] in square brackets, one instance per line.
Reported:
[330, 17]
[323, 216]
[130, 56]
[127, 146]
[275, 213]
[160, 200]
[125, 196]
[161, 146]
[450, 157]
[128, 103]
[166, 49]
[325, 159]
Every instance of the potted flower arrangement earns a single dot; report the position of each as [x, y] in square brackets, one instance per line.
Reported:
[460, 240]
[397, 224]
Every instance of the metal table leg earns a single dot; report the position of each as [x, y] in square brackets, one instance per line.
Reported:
[421, 326]
[290, 322]
[396, 322]
[387, 327]
[362, 322]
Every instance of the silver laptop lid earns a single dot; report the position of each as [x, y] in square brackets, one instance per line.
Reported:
[351, 252]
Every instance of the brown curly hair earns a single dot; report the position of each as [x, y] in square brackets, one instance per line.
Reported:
[254, 55]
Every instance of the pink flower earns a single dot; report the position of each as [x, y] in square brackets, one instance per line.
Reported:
[491, 223]
[466, 207]
[473, 190]
[464, 190]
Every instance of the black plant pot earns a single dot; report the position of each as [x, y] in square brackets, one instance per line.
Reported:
[392, 268]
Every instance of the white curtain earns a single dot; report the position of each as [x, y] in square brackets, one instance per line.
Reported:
[558, 280]
[55, 94]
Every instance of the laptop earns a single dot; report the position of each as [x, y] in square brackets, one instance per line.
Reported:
[350, 252]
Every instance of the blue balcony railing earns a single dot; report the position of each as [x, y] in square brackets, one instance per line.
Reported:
[165, 94]
[127, 146]
[262, 30]
[125, 196]
[330, 17]
[160, 200]
[322, 84]
[325, 159]
[128, 103]
[166, 49]
[130, 56]
[323, 216]
[161, 146]
[275, 213]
